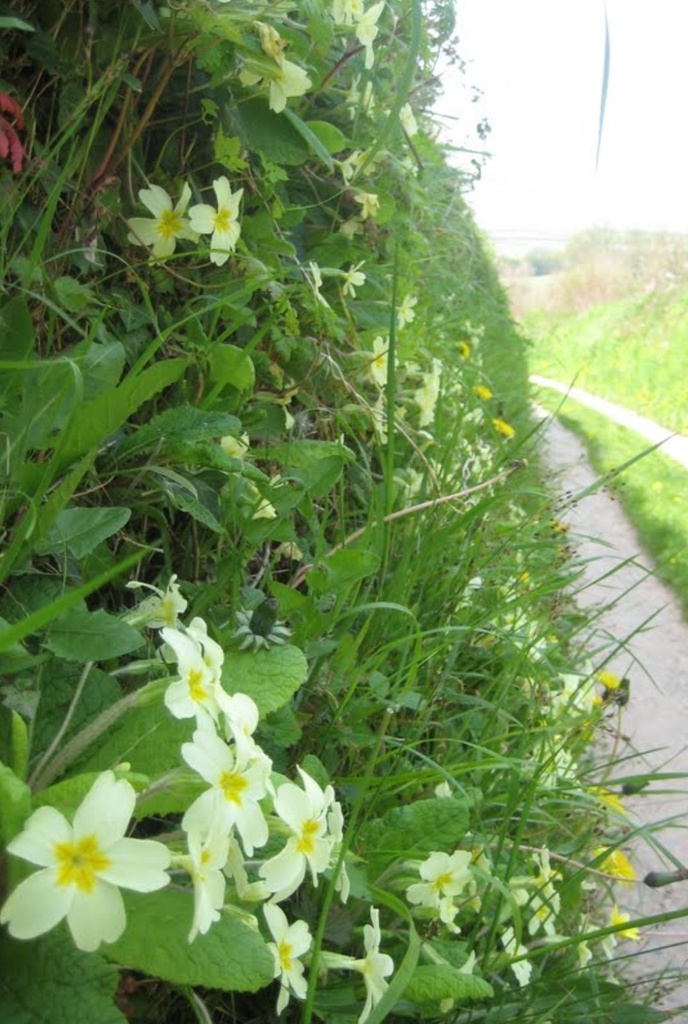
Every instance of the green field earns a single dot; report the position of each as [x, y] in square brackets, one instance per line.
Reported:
[633, 352]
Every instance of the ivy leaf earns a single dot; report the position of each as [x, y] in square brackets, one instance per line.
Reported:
[271, 677]
[232, 956]
[49, 981]
[80, 635]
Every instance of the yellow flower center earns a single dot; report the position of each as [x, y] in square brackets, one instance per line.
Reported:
[169, 224]
[233, 785]
[309, 830]
[284, 953]
[196, 689]
[442, 880]
[222, 219]
[79, 863]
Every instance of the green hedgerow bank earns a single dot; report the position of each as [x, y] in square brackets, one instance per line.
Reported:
[293, 723]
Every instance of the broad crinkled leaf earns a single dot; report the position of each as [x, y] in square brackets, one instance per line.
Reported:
[232, 956]
[270, 677]
[438, 823]
[432, 983]
[49, 981]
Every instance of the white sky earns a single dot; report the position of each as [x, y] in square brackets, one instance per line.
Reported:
[539, 64]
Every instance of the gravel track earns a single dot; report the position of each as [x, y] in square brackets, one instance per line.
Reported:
[639, 619]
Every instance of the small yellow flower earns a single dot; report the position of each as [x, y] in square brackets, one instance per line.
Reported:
[556, 526]
[609, 680]
[369, 203]
[464, 350]
[482, 392]
[503, 428]
[616, 918]
[609, 798]
[616, 863]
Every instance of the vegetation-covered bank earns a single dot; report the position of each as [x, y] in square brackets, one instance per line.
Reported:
[285, 651]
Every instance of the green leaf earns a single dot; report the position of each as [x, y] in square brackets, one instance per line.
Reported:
[50, 981]
[17, 338]
[15, 803]
[232, 956]
[72, 294]
[181, 425]
[270, 677]
[333, 140]
[310, 137]
[432, 983]
[82, 529]
[231, 365]
[340, 570]
[146, 736]
[97, 419]
[316, 464]
[227, 149]
[419, 828]
[269, 134]
[18, 24]
[100, 692]
[81, 636]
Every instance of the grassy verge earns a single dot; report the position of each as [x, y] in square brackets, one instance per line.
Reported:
[633, 352]
[653, 490]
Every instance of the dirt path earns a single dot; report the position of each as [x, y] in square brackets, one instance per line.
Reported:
[644, 618]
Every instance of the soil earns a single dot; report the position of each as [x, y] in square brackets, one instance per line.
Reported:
[639, 627]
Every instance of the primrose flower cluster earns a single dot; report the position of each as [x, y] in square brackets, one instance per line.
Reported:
[85, 863]
[170, 224]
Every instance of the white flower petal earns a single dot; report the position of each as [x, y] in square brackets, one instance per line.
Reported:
[202, 218]
[106, 810]
[155, 199]
[36, 905]
[138, 864]
[96, 917]
[42, 830]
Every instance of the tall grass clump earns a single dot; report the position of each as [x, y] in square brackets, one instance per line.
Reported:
[286, 656]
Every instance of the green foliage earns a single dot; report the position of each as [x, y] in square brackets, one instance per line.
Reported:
[49, 980]
[253, 352]
[232, 956]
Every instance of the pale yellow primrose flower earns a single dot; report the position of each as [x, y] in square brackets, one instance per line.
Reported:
[286, 81]
[167, 225]
[270, 40]
[444, 876]
[408, 120]
[353, 278]
[347, 12]
[237, 784]
[369, 203]
[375, 966]
[522, 969]
[163, 607]
[406, 313]
[314, 277]
[426, 396]
[305, 812]
[235, 448]
[377, 368]
[367, 30]
[199, 661]
[83, 866]
[221, 223]
[291, 942]
[206, 858]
